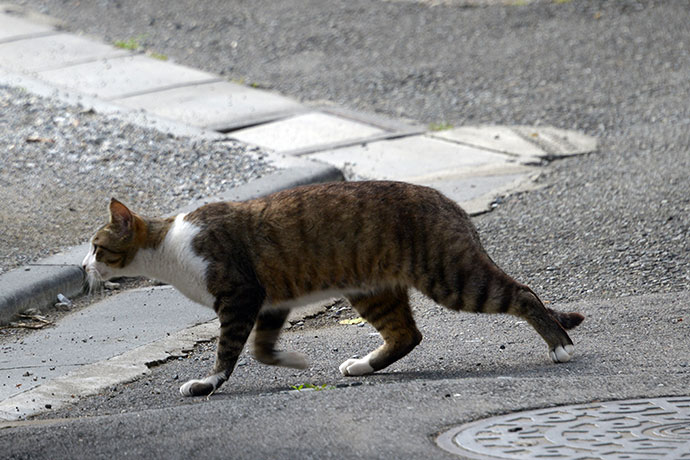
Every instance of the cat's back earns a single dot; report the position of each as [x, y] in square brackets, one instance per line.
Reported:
[357, 201]
[337, 211]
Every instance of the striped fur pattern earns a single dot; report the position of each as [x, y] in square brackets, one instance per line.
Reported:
[369, 241]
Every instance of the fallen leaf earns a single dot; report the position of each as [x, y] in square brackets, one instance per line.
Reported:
[40, 322]
[36, 139]
[352, 321]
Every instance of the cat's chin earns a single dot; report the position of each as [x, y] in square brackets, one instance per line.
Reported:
[93, 282]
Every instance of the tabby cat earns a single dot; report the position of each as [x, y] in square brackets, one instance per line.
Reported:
[369, 241]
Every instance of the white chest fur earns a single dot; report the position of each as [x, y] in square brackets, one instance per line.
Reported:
[175, 262]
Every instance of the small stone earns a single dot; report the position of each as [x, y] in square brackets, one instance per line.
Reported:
[63, 306]
[109, 285]
[62, 299]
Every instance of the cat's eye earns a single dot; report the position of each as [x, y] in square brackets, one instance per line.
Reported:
[107, 250]
[107, 255]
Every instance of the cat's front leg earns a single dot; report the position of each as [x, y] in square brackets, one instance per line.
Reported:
[237, 311]
[266, 333]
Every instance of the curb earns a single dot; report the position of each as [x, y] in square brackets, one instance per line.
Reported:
[37, 285]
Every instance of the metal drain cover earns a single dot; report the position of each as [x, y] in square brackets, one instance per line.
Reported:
[638, 429]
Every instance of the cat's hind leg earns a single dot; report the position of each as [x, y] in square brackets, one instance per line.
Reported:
[550, 324]
[237, 311]
[268, 327]
[389, 312]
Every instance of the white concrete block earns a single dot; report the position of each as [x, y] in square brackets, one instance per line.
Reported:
[414, 159]
[217, 105]
[305, 131]
[13, 27]
[558, 142]
[502, 139]
[528, 143]
[118, 77]
[53, 52]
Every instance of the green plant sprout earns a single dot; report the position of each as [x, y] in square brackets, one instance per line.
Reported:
[310, 386]
[442, 126]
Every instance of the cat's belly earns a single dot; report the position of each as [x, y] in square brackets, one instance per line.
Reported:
[196, 293]
[313, 297]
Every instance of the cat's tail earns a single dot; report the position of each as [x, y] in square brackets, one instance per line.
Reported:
[566, 320]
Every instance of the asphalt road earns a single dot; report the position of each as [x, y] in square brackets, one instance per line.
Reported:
[466, 367]
[607, 232]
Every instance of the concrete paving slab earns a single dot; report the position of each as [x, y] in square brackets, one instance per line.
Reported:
[35, 85]
[220, 105]
[477, 193]
[305, 131]
[53, 52]
[503, 139]
[558, 142]
[393, 125]
[529, 143]
[14, 27]
[102, 331]
[118, 77]
[413, 159]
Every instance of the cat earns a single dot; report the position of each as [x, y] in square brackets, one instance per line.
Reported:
[370, 241]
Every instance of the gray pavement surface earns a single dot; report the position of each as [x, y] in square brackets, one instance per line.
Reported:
[467, 367]
[605, 234]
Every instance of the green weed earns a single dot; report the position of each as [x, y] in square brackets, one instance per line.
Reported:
[442, 126]
[310, 386]
[131, 44]
[159, 56]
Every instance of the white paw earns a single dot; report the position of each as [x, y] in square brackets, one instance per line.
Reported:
[186, 389]
[291, 359]
[356, 367]
[562, 354]
[202, 387]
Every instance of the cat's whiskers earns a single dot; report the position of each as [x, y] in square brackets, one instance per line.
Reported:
[93, 282]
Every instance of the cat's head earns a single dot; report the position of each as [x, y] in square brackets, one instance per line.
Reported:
[114, 245]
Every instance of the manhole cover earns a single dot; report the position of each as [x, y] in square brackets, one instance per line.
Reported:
[639, 429]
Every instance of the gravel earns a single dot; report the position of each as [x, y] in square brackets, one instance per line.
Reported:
[611, 224]
[61, 164]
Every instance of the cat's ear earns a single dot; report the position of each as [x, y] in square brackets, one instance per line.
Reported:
[121, 216]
